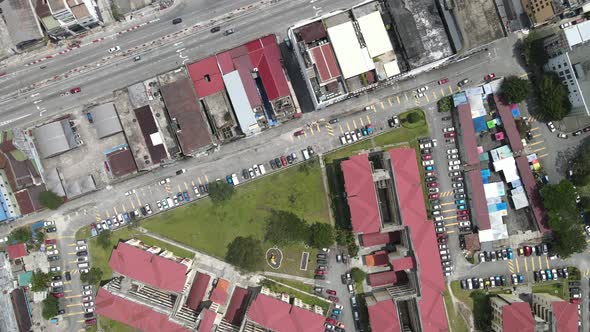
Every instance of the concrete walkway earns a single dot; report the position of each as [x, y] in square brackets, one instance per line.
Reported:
[299, 290]
[290, 277]
[326, 188]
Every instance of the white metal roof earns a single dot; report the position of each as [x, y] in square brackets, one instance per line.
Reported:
[391, 68]
[374, 33]
[353, 59]
[577, 34]
[239, 100]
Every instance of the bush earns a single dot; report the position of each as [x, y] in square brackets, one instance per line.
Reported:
[21, 234]
[50, 200]
[414, 117]
[445, 104]
[40, 280]
[220, 191]
[93, 276]
[50, 307]
[357, 274]
[523, 127]
[515, 89]
[285, 227]
[245, 253]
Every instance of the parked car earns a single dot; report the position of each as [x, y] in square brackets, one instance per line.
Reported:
[551, 126]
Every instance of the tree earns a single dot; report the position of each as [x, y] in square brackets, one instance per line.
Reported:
[104, 239]
[284, 227]
[40, 280]
[220, 191]
[50, 307]
[21, 234]
[321, 235]
[414, 117]
[357, 274]
[523, 127]
[585, 203]
[40, 236]
[93, 277]
[553, 95]
[580, 162]
[515, 89]
[533, 50]
[564, 219]
[445, 104]
[245, 253]
[50, 200]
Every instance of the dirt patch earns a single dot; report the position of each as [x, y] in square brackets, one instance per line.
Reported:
[479, 22]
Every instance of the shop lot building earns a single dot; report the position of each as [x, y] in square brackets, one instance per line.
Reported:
[399, 249]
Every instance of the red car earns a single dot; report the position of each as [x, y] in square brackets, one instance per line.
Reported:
[57, 295]
[450, 134]
[75, 90]
[426, 157]
[462, 212]
[284, 160]
[331, 321]
[432, 184]
[575, 301]
[489, 77]
[433, 196]
[331, 292]
[443, 81]
[320, 272]
[463, 218]
[527, 251]
[333, 299]
[91, 321]
[52, 241]
[299, 133]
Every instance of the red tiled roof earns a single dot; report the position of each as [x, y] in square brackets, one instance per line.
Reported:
[198, 289]
[207, 322]
[237, 59]
[468, 134]
[380, 258]
[25, 202]
[361, 194]
[374, 239]
[518, 317]
[325, 62]
[266, 56]
[566, 316]
[383, 317]
[133, 314]
[383, 278]
[148, 268]
[312, 31]
[237, 306]
[509, 124]
[16, 250]
[219, 293]
[206, 77]
[280, 316]
[405, 263]
[413, 211]
[532, 193]
[478, 200]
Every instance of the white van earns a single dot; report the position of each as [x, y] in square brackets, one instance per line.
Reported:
[170, 202]
[305, 154]
[343, 140]
[83, 265]
[234, 179]
[262, 170]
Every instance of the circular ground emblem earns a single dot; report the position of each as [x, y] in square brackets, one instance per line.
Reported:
[274, 257]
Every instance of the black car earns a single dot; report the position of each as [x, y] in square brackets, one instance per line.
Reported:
[586, 129]
[57, 290]
[529, 135]
[215, 29]
[88, 315]
[459, 196]
[322, 261]
[434, 201]
[82, 253]
[321, 256]
[177, 20]
[333, 121]
[536, 275]
[68, 276]
[488, 256]
[391, 123]
[310, 151]
[143, 211]
[55, 278]
[272, 164]
[245, 174]
[430, 179]
[319, 277]
[51, 229]
[446, 118]
[53, 258]
[61, 311]
[278, 162]
[202, 188]
[289, 159]
[426, 151]
[424, 140]
[359, 133]
[463, 284]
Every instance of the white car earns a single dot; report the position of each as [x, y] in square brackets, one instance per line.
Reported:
[261, 168]
[87, 298]
[130, 192]
[454, 162]
[114, 49]
[436, 207]
[453, 156]
[86, 287]
[48, 223]
[444, 251]
[427, 162]
[354, 137]
[82, 259]
[442, 246]
[84, 270]
[450, 151]
[551, 126]
[464, 223]
[55, 269]
[82, 247]
[4, 239]
[419, 95]
[87, 292]
[565, 25]
[88, 304]
[52, 252]
[348, 137]
[422, 89]
[454, 168]
[425, 145]
[587, 228]
[256, 170]
[448, 130]
[234, 179]
[88, 310]
[439, 218]
[57, 283]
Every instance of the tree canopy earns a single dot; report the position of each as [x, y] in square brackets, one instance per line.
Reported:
[50, 307]
[40, 281]
[357, 274]
[50, 200]
[220, 191]
[245, 253]
[284, 227]
[553, 95]
[564, 219]
[445, 104]
[21, 234]
[93, 276]
[534, 51]
[104, 239]
[321, 235]
[515, 89]
[580, 162]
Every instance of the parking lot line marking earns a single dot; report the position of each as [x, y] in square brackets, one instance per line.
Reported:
[382, 106]
[341, 130]
[540, 262]
[354, 124]
[71, 245]
[450, 232]
[185, 185]
[179, 187]
[539, 142]
[534, 128]
[526, 267]
[442, 92]
[71, 253]
[73, 314]
[533, 264]
[389, 101]
[318, 127]
[417, 102]
[68, 291]
[540, 149]
[450, 210]
[206, 179]
[450, 217]
[132, 204]
[291, 138]
[398, 101]
[458, 89]
[374, 108]
[73, 296]
[536, 135]
[138, 200]
[449, 203]
[406, 95]
[347, 126]
[517, 266]
[361, 120]
[452, 224]
[304, 133]
[427, 99]
[114, 208]
[368, 119]
[546, 260]
[450, 90]
[311, 128]
[543, 155]
[81, 321]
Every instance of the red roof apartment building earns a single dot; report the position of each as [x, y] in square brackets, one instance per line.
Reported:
[249, 81]
[387, 208]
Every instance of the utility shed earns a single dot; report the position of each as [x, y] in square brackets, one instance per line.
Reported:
[54, 138]
[106, 120]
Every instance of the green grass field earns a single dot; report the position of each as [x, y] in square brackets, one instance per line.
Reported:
[557, 288]
[210, 228]
[456, 322]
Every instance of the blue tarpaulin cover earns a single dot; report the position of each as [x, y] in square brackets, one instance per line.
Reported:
[480, 124]
[515, 112]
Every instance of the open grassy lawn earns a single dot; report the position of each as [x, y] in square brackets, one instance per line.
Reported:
[99, 256]
[295, 284]
[456, 321]
[557, 288]
[210, 228]
[109, 325]
[304, 296]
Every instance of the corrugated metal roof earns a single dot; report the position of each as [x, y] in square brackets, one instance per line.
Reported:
[352, 58]
[54, 138]
[239, 99]
[106, 120]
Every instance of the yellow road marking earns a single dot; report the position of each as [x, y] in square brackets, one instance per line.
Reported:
[138, 200]
[405, 95]
[354, 123]
[186, 186]
[199, 179]
[115, 209]
[71, 244]
[543, 155]
[449, 203]
[427, 99]
[68, 291]
[132, 204]
[74, 313]
[450, 232]
[450, 217]
[450, 89]
[81, 321]
[517, 267]
[206, 179]
[533, 264]
[452, 224]
[65, 237]
[534, 128]
[341, 130]
[442, 92]
[433, 94]
[382, 106]
[347, 126]
[540, 263]
[73, 296]
[368, 119]
[374, 108]
[539, 142]
[398, 101]
[526, 267]
[449, 210]
[318, 128]
[537, 135]
[311, 128]
[389, 101]
[71, 253]
[458, 88]
[193, 183]
[547, 261]
[417, 102]
[539, 149]
[361, 120]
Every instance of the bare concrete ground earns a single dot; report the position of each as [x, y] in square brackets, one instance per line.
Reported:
[479, 22]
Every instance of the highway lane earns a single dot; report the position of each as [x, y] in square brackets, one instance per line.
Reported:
[121, 71]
